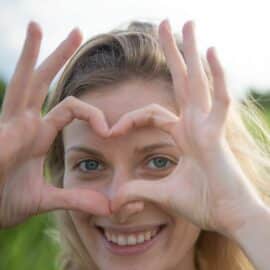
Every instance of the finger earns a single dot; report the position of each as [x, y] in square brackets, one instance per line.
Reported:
[197, 80]
[221, 97]
[175, 62]
[139, 190]
[49, 68]
[152, 115]
[85, 200]
[16, 94]
[72, 108]
[129, 210]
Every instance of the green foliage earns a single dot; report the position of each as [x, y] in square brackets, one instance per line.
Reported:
[2, 91]
[262, 99]
[27, 246]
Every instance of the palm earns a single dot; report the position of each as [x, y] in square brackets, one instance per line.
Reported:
[25, 137]
[192, 135]
[21, 198]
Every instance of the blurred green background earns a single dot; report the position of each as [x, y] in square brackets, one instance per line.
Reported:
[28, 246]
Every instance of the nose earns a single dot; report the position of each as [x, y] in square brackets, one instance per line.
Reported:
[127, 211]
[121, 175]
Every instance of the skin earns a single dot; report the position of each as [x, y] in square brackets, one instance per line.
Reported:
[122, 164]
[207, 187]
[23, 153]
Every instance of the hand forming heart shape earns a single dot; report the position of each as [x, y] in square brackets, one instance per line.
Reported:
[208, 186]
[25, 136]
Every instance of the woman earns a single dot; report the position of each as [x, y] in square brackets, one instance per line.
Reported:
[157, 170]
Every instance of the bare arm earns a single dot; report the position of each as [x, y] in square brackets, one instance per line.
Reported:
[254, 238]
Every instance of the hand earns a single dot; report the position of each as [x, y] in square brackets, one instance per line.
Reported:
[207, 186]
[25, 136]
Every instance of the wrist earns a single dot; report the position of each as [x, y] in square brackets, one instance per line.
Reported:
[254, 238]
[257, 218]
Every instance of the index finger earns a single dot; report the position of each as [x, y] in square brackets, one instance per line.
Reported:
[175, 62]
[197, 80]
[16, 93]
[49, 68]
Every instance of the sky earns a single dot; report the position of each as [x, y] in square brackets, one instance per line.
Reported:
[240, 30]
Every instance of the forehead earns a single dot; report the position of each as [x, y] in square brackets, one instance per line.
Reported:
[115, 101]
[124, 97]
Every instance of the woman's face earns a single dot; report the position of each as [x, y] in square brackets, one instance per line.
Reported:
[106, 164]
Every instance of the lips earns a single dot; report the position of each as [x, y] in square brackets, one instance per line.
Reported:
[130, 240]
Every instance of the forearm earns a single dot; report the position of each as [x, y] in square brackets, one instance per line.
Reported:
[254, 239]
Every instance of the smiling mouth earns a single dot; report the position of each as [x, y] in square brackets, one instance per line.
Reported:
[130, 238]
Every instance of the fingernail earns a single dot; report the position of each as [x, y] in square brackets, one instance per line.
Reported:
[109, 134]
[30, 25]
[113, 130]
[106, 134]
[214, 51]
[168, 25]
[75, 29]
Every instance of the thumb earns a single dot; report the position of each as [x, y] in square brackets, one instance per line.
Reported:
[84, 200]
[138, 190]
[129, 210]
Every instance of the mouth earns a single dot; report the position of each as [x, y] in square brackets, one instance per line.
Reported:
[130, 241]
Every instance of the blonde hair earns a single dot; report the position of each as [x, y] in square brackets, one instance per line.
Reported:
[134, 52]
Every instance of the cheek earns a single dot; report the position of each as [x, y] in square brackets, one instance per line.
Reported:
[70, 181]
[73, 181]
[84, 236]
[183, 237]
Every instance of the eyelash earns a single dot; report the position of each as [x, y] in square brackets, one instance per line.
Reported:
[148, 161]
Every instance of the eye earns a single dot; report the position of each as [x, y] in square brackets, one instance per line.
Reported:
[160, 163]
[90, 165]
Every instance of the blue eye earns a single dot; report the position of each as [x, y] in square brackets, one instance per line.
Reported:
[90, 165]
[160, 162]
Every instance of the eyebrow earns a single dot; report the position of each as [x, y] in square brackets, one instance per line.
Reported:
[145, 149]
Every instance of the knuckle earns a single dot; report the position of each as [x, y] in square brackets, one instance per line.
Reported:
[151, 116]
[133, 121]
[128, 116]
[227, 101]
[29, 118]
[42, 76]
[154, 107]
[96, 111]
[70, 100]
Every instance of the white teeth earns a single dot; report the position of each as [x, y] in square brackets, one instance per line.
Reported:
[114, 238]
[122, 240]
[154, 232]
[140, 238]
[131, 239]
[147, 235]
